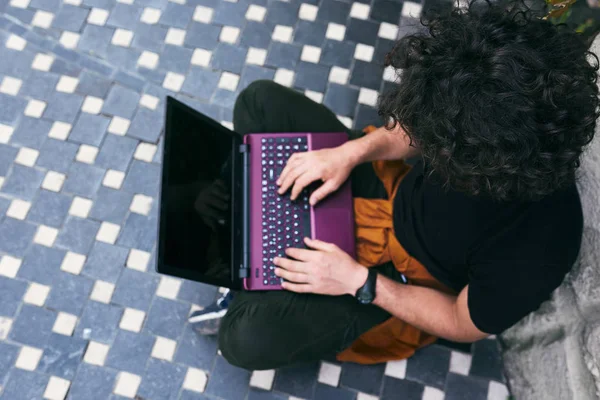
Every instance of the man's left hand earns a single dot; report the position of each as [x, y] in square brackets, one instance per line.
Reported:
[324, 269]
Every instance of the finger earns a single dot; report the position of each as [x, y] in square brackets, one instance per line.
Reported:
[290, 178]
[290, 265]
[218, 204]
[296, 277]
[301, 182]
[323, 191]
[297, 287]
[300, 254]
[289, 165]
[319, 245]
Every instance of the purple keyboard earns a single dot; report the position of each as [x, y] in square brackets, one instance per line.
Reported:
[284, 222]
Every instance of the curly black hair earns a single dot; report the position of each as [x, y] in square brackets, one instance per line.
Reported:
[499, 101]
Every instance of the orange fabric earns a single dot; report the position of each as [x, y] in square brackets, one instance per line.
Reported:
[377, 244]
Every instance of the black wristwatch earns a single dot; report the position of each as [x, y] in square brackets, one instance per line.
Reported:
[366, 293]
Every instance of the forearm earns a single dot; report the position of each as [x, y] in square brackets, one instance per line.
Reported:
[381, 144]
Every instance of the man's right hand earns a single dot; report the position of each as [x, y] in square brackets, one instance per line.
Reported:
[331, 166]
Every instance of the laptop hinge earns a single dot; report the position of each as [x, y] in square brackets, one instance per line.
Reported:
[244, 148]
[245, 266]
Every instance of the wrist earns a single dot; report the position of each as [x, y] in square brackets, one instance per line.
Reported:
[353, 152]
[357, 280]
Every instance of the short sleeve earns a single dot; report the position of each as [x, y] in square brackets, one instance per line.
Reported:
[501, 294]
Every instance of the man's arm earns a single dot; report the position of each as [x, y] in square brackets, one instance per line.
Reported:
[381, 144]
[428, 309]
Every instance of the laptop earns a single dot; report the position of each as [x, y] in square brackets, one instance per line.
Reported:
[221, 219]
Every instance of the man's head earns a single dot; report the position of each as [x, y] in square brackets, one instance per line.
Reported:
[499, 101]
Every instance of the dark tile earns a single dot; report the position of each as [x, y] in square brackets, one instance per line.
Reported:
[99, 322]
[63, 107]
[365, 116]
[62, 67]
[8, 356]
[62, 356]
[152, 75]
[83, 179]
[232, 14]
[56, 155]
[429, 365]
[7, 157]
[149, 37]
[167, 318]
[228, 57]
[31, 132]
[333, 11]
[95, 39]
[20, 63]
[227, 381]
[201, 83]
[196, 350]
[337, 53]
[50, 208]
[33, 326]
[111, 205]
[130, 80]
[4, 204]
[23, 15]
[92, 382]
[89, 129]
[257, 394]
[135, 289]
[16, 236]
[70, 18]
[326, 392]
[410, 390]
[40, 85]
[121, 101]
[487, 360]
[409, 26]
[143, 178]
[283, 55]
[41, 264]
[459, 387]
[105, 262]
[282, 13]
[12, 108]
[362, 31]
[176, 15]
[105, 4]
[311, 33]
[254, 73]
[78, 235]
[23, 182]
[366, 75]
[382, 48]
[11, 295]
[255, 34]
[130, 352]
[189, 395]
[47, 5]
[124, 57]
[202, 35]
[311, 76]
[122, 15]
[197, 293]
[160, 4]
[23, 384]
[341, 99]
[298, 380]
[146, 125]
[175, 59]
[224, 98]
[365, 378]
[69, 293]
[386, 11]
[116, 152]
[139, 232]
[162, 380]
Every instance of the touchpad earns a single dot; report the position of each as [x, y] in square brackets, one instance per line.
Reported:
[335, 225]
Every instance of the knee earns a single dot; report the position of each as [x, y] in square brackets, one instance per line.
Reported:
[256, 93]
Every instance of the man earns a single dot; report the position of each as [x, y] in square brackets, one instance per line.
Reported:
[497, 105]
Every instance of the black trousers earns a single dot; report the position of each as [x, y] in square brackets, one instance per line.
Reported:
[266, 330]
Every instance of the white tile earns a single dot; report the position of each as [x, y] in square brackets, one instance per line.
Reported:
[229, 81]
[262, 379]
[27, 156]
[168, 287]
[10, 85]
[1, 181]
[73, 263]
[497, 391]
[227, 124]
[108, 232]
[73, 2]
[64, 324]
[102, 291]
[53, 181]
[145, 151]
[35, 108]
[345, 120]
[97, 16]
[282, 33]
[229, 34]
[132, 320]
[141, 204]
[149, 101]
[60, 130]
[122, 37]
[368, 97]
[203, 14]
[95, 353]
[42, 62]
[308, 12]
[201, 57]
[9, 266]
[314, 96]
[256, 56]
[19, 3]
[18, 209]
[15, 42]
[57, 388]
[86, 154]
[335, 31]
[364, 52]
[67, 84]
[113, 179]
[388, 31]
[284, 77]
[339, 75]
[364, 396]
[195, 380]
[173, 81]
[329, 374]
[360, 11]
[396, 369]
[45, 236]
[80, 207]
[28, 358]
[127, 384]
[138, 260]
[460, 363]
[150, 15]
[431, 393]
[36, 294]
[5, 326]
[256, 13]
[310, 54]
[42, 19]
[125, 1]
[6, 133]
[164, 348]
[176, 37]
[178, 1]
[118, 126]
[69, 39]
[389, 74]
[410, 9]
[92, 105]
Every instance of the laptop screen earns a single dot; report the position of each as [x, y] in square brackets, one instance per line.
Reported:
[197, 210]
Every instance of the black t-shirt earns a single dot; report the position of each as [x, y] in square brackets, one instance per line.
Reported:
[511, 254]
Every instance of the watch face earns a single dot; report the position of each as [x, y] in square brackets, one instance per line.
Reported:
[365, 298]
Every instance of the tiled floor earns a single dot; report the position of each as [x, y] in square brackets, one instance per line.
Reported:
[82, 86]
